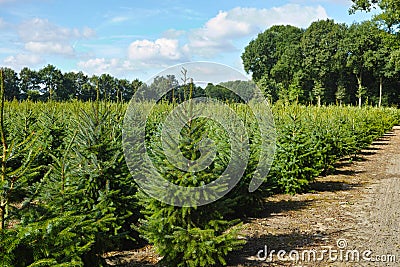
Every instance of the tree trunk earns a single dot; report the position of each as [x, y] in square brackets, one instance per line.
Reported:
[2, 218]
[380, 91]
[50, 94]
[359, 81]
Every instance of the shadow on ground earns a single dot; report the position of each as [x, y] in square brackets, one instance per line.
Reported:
[268, 242]
[272, 208]
[333, 186]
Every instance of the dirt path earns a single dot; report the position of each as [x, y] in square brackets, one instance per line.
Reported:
[379, 212]
[355, 210]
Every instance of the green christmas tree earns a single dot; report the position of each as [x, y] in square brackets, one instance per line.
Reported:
[189, 235]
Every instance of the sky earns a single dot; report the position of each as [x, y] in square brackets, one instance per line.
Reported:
[132, 39]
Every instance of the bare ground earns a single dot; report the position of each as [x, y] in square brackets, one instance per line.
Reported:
[355, 210]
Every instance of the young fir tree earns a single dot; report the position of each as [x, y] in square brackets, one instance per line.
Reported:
[94, 182]
[103, 182]
[297, 163]
[85, 204]
[191, 235]
[16, 171]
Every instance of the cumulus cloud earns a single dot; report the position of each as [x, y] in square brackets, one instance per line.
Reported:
[156, 52]
[87, 32]
[218, 34]
[142, 54]
[338, 2]
[172, 34]
[99, 66]
[44, 37]
[22, 60]
[227, 24]
[42, 30]
[49, 48]
[292, 14]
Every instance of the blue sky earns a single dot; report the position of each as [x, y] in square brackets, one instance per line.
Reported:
[136, 39]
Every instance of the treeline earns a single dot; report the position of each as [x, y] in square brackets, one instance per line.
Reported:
[167, 88]
[327, 63]
[50, 83]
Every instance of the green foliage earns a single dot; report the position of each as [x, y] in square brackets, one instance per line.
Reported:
[11, 84]
[75, 197]
[233, 91]
[311, 140]
[198, 235]
[49, 83]
[70, 197]
[289, 64]
[260, 56]
[389, 16]
[340, 93]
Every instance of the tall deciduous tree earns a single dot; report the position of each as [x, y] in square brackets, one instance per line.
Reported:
[390, 15]
[70, 87]
[11, 84]
[378, 60]
[288, 64]
[262, 54]
[51, 80]
[361, 42]
[107, 87]
[320, 45]
[29, 82]
[80, 83]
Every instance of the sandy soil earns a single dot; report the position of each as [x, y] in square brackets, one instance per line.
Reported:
[350, 218]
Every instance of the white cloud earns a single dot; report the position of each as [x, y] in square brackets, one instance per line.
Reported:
[87, 32]
[35, 39]
[22, 60]
[160, 51]
[99, 66]
[49, 48]
[173, 34]
[292, 14]
[338, 2]
[96, 65]
[142, 54]
[119, 19]
[227, 25]
[41, 30]
[218, 34]
[43, 37]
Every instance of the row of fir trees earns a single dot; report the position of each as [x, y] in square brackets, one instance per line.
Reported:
[67, 195]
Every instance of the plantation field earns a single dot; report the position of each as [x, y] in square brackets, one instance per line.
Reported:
[357, 203]
[67, 195]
